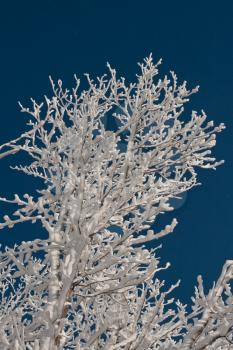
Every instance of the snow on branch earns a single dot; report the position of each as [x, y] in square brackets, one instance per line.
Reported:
[93, 284]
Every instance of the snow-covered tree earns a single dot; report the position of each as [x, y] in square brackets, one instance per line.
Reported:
[93, 283]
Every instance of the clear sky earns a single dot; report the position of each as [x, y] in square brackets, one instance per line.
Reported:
[194, 38]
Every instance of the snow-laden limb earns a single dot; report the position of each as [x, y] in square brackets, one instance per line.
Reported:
[214, 329]
[96, 285]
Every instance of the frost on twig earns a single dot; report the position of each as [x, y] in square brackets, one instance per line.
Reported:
[93, 283]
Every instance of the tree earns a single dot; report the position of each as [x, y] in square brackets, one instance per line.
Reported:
[92, 284]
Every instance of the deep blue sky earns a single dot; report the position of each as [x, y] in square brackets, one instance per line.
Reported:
[194, 38]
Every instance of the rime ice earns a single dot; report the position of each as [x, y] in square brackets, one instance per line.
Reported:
[97, 287]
